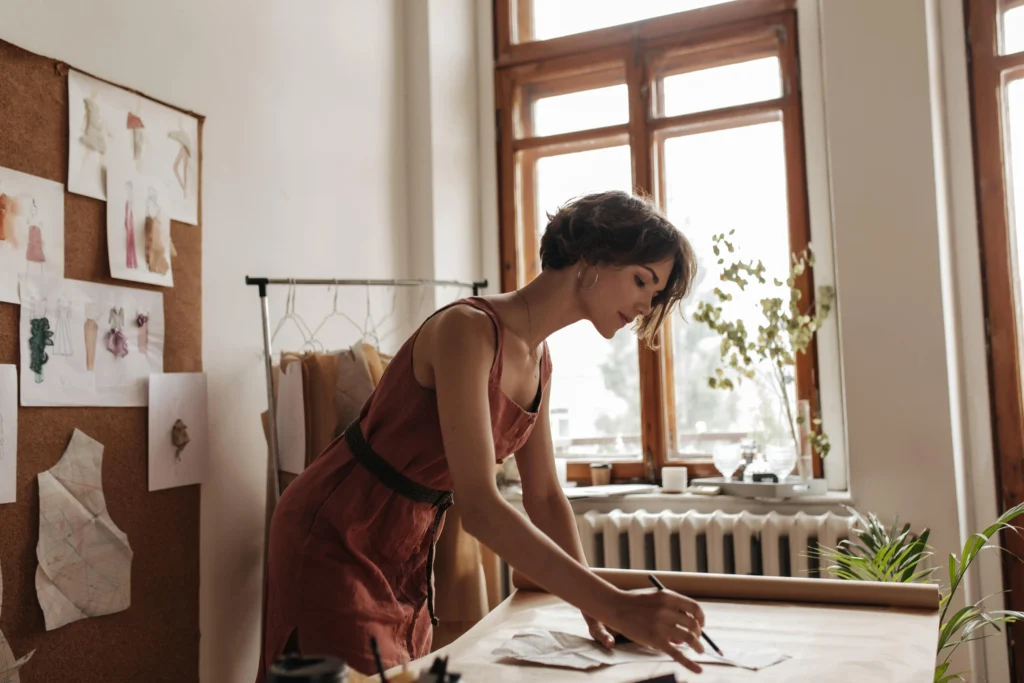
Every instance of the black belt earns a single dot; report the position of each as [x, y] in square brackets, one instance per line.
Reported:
[403, 486]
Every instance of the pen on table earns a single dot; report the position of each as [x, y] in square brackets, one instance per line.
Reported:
[659, 586]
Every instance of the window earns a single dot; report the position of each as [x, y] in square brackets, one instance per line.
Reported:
[699, 109]
[996, 31]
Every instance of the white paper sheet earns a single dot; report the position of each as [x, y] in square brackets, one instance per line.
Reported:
[291, 419]
[8, 434]
[105, 121]
[173, 397]
[9, 666]
[31, 229]
[85, 561]
[559, 649]
[79, 368]
[138, 225]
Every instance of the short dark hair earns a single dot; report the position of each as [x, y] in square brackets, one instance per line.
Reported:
[621, 229]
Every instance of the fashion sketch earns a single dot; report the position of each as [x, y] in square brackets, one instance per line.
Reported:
[9, 211]
[138, 130]
[131, 258]
[34, 252]
[156, 244]
[62, 340]
[180, 166]
[93, 137]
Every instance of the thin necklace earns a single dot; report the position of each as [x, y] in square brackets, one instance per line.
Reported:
[529, 318]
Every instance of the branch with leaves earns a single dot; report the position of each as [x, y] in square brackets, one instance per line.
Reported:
[787, 329]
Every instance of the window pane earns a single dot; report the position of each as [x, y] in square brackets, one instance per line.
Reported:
[595, 387]
[732, 179]
[581, 110]
[553, 18]
[1015, 190]
[756, 80]
[1012, 27]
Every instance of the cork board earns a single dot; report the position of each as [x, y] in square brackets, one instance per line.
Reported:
[157, 638]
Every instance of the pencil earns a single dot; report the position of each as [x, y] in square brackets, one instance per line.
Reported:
[703, 634]
[376, 658]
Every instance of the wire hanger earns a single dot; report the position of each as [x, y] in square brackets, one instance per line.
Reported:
[335, 312]
[308, 338]
[369, 325]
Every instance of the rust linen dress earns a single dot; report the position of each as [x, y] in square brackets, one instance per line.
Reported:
[352, 539]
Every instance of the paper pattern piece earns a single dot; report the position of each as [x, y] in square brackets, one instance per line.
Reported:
[85, 561]
[9, 666]
[291, 418]
[108, 123]
[138, 225]
[556, 648]
[31, 230]
[174, 397]
[8, 434]
[86, 344]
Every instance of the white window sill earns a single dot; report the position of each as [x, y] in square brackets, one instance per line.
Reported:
[681, 502]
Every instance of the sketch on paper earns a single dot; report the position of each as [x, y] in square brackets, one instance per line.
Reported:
[84, 558]
[112, 125]
[178, 434]
[138, 227]
[9, 666]
[86, 344]
[8, 434]
[31, 230]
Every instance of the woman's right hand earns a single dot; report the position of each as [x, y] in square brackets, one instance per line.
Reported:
[660, 619]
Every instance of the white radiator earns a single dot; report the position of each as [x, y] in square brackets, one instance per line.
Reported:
[716, 542]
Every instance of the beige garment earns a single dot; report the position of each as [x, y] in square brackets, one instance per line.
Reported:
[320, 372]
[353, 386]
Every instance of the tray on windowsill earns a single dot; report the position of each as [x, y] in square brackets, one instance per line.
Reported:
[792, 487]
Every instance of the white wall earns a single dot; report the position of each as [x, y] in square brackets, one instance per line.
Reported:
[303, 175]
[898, 137]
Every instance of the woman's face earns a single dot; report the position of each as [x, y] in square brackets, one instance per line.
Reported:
[622, 293]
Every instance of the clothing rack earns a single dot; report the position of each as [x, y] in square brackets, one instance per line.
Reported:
[273, 476]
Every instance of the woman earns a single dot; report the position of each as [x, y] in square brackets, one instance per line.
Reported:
[352, 539]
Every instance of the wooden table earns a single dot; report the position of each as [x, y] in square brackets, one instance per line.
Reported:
[834, 631]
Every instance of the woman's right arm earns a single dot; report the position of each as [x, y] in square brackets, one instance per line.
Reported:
[463, 350]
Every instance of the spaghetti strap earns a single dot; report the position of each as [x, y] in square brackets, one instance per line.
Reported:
[485, 306]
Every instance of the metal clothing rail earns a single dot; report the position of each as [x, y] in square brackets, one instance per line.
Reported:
[273, 462]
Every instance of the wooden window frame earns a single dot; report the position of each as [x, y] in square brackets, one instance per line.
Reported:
[693, 40]
[989, 73]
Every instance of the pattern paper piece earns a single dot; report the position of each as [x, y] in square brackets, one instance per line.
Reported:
[108, 124]
[86, 344]
[558, 649]
[291, 419]
[8, 434]
[178, 434]
[31, 230]
[9, 666]
[85, 561]
[138, 225]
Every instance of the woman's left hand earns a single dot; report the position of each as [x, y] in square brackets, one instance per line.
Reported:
[600, 632]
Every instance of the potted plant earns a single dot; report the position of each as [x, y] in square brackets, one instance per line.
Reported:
[786, 329]
[893, 555]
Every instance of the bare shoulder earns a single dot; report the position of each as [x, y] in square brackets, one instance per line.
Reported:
[461, 334]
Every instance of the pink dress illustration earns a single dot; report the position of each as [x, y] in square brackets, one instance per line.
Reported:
[129, 230]
[34, 252]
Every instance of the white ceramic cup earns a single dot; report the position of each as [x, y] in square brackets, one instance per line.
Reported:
[673, 479]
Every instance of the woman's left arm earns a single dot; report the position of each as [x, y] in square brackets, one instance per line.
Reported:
[545, 502]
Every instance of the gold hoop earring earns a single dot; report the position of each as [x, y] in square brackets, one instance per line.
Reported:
[579, 275]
